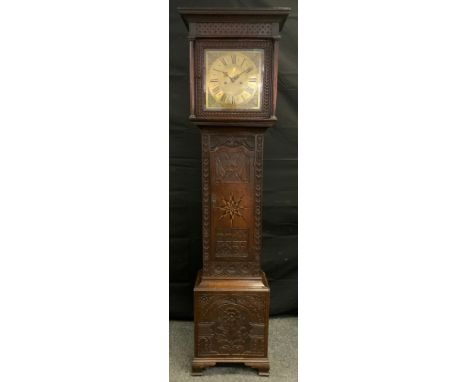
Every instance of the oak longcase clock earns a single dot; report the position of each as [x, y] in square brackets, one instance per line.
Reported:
[233, 86]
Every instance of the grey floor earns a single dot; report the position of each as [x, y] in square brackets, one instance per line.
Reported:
[282, 354]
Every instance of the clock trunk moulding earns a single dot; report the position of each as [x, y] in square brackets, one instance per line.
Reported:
[233, 72]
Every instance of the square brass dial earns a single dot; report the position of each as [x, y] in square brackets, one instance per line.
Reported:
[233, 79]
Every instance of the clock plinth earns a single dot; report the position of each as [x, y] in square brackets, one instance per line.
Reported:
[231, 323]
[233, 77]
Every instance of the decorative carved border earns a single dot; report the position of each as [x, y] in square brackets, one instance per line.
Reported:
[206, 197]
[258, 196]
[255, 302]
[204, 29]
[247, 141]
[266, 109]
[234, 269]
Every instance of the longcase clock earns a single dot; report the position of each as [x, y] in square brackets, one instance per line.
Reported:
[233, 87]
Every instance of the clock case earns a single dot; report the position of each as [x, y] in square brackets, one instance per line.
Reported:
[252, 28]
[231, 293]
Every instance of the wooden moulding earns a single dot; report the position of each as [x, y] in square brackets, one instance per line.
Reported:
[273, 15]
[223, 284]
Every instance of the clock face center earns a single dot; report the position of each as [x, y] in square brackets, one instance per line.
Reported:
[232, 84]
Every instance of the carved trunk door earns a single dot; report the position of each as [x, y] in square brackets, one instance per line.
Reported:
[232, 204]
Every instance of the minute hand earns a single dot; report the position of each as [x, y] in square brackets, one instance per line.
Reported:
[240, 74]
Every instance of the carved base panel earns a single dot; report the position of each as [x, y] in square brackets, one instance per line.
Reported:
[231, 323]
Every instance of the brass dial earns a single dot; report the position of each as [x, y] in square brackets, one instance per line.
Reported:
[233, 80]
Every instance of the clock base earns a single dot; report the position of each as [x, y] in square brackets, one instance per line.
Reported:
[231, 323]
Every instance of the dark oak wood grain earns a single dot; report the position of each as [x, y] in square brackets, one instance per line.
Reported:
[231, 294]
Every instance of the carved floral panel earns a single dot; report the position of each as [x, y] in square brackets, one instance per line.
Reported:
[231, 325]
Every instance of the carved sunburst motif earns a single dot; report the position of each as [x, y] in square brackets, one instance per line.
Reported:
[231, 208]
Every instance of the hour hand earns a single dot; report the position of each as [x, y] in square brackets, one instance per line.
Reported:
[225, 73]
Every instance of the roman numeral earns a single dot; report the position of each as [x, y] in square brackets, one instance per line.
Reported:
[223, 61]
[243, 61]
[214, 80]
[233, 58]
[216, 90]
[252, 79]
[223, 98]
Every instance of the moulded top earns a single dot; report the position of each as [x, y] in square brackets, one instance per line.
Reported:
[276, 14]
